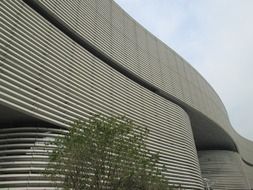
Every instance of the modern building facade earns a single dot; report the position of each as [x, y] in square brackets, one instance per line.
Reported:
[62, 60]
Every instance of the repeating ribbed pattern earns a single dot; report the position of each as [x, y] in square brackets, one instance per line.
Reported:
[104, 24]
[223, 169]
[24, 156]
[45, 74]
[109, 28]
[249, 172]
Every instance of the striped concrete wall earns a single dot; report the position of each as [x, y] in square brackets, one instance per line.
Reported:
[223, 169]
[47, 75]
[109, 28]
[24, 156]
[104, 24]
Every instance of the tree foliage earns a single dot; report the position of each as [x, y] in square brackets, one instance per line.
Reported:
[105, 153]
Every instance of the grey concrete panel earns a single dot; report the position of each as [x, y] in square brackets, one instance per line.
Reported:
[223, 170]
[211, 105]
[148, 43]
[48, 76]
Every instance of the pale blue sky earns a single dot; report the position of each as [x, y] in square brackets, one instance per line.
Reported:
[216, 37]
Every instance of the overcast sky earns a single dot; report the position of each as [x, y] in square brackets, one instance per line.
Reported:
[215, 37]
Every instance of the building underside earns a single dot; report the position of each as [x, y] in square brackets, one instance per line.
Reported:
[63, 60]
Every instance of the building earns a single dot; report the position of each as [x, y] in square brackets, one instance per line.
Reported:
[60, 60]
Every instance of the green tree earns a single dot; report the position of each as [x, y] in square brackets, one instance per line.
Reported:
[105, 153]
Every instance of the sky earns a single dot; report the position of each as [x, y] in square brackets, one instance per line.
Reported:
[216, 38]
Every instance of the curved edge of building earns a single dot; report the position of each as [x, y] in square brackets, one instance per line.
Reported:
[60, 61]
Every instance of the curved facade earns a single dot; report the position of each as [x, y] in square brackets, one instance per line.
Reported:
[62, 60]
